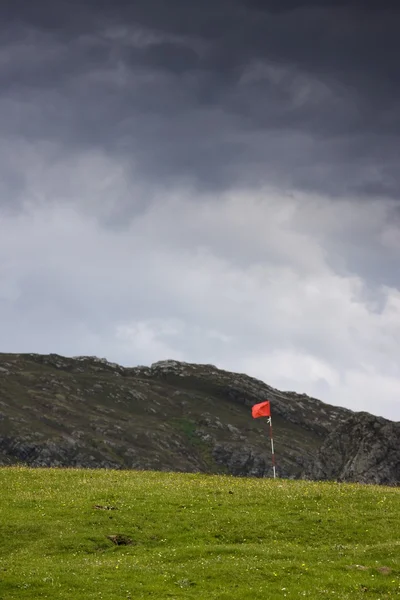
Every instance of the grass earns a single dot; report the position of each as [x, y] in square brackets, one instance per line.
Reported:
[193, 536]
[202, 449]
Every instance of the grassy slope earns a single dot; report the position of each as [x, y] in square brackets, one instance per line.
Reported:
[40, 403]
[194, 536]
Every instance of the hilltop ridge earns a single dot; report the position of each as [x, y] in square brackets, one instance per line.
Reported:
[88, 412]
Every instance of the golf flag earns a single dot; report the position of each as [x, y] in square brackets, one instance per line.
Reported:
[261, 410]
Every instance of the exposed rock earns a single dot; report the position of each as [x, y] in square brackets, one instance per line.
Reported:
[175, 416]
[364, 448]
[240, 461]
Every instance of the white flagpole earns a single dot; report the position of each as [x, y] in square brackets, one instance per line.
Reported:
[272, 446]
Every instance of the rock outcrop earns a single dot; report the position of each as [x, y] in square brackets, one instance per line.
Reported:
[175, 416]
[363, 448]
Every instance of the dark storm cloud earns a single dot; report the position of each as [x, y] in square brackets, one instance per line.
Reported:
[218, 93]
[116, 117]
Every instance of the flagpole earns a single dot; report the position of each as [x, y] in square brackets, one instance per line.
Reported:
[263, 409]
[271, 437]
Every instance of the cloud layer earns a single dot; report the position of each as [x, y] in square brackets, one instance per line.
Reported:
[208, 183]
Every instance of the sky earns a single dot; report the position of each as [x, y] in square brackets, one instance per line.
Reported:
[213, 182]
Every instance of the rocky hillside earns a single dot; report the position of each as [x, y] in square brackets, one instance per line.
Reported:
[87, 412]
[364, 448]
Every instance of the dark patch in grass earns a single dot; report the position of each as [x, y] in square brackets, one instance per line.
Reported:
[384, 570]
[99, 507]
[120, 539]
[184, 583]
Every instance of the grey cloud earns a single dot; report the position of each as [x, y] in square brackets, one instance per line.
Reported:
[173, 57]
[75, 288]
[181, 106]
[153, 163]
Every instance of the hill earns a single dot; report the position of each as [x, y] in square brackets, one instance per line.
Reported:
[74, 534]
[172, 416]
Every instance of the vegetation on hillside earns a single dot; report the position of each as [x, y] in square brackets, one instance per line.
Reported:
[86, 412]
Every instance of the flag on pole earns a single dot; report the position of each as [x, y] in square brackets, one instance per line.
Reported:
[261, 410]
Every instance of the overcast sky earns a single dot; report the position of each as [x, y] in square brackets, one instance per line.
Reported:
[212, 181]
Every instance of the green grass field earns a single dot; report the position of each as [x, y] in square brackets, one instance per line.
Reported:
[194, 536]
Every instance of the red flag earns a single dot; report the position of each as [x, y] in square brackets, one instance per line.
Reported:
[261, 410]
